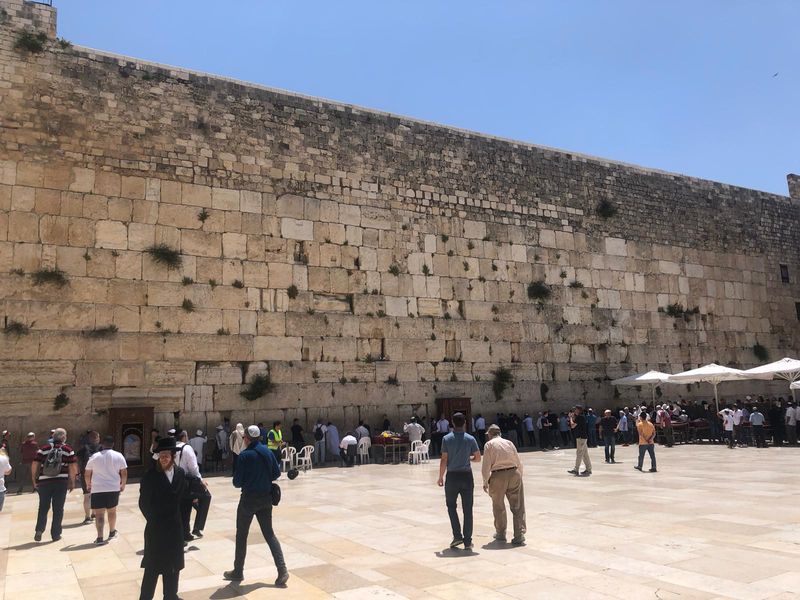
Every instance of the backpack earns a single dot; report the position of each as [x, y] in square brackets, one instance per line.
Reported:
[318, 434]
[51, 466]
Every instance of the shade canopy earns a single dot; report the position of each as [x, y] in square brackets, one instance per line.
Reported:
[795, 385]
[714, 374]
[785, 368]
[654, 377]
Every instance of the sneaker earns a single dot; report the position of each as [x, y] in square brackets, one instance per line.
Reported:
[37, 537]
[638, 468]
[652, 471]
[468, 545]
[586, 473]
[573, 472]
[500, 537]
[112, 534]
[456, 542]
[197, 533]
[188, 538]
[520, 541]
[86, 521]
[232, 576]
[99, 541]
[283, 577]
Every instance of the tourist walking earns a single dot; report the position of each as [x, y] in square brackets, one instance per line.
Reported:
[236, 443]
[647, 440]
[53, 475]
[757, 426]
[258, 469]
[319, 442]
[160, 495]
[28, 450]
[502, 480]
[480, 429]
[577, 423]
[609, 427]
[458, 450]
[728, 426]
[591, 428]
[197, 495]
[91, 445]
[106, 474]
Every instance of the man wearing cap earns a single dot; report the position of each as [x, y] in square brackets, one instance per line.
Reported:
[198, 496]
[106, 473]
[255, 474]
[458, 449]
[28, 450]
[502, 479]
[198, 443]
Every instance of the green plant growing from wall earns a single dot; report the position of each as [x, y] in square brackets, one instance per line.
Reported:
[575, 284]
[258, 387]
[54, 276]
[426, 270]
[13, 327]
[203, 215]
[292, 291]
[31, 42]
[60, 401]
[163, 254]
[394, 270]
[543, 389]
[237, 283]
[761, 352]
[187, 281]
[538, 290]
[98, 333]
[605, 209]
[502, 379]
[187, 305]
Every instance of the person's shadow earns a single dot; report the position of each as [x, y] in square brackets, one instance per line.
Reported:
[495, 545]
[76, 547]
[236, 590]
[29, 545]
[455, 553]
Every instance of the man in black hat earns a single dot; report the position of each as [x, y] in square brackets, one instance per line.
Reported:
[257, 468]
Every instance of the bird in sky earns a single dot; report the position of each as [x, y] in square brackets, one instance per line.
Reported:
[775, 75]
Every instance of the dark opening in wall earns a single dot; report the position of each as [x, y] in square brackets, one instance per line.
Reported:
[797, 309]
[784, 274]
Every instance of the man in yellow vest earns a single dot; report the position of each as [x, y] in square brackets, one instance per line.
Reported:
[275, 440]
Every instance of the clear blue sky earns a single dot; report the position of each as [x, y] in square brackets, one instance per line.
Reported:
[684, 85]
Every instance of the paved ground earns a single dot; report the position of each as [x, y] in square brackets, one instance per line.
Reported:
[713, 523]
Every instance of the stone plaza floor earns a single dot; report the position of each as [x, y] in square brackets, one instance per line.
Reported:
[712, 523]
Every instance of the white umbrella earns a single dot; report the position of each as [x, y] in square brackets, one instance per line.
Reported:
[795, 386]
[785, 368]
[654, 378]
[713, 374]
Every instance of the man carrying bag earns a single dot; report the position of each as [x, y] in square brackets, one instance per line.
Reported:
[255, 475]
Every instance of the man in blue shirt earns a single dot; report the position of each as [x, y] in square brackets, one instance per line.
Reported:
[458, 449]
[256, 469]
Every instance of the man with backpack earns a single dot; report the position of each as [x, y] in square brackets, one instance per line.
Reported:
[53, 475]
[319, 442]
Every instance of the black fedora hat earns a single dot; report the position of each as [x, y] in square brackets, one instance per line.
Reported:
[165, 444]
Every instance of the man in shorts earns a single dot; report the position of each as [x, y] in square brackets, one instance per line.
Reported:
[106, 474]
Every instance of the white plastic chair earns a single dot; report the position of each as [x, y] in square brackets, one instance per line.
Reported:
[303, 459]
[363, 450]
[424, 455]
[415, 456]
[288, 457]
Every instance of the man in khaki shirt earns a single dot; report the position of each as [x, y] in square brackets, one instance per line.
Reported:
[502, 478]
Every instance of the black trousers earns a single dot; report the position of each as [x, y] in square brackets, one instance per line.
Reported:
[481, 437]
[758, 436]
[258, 505]
[462, 484]
[436, 443]
[202, 506]
[169, 581]
[51, 493]
[531, 439]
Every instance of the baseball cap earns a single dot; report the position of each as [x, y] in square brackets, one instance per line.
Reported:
[253, 432]
[171, 431]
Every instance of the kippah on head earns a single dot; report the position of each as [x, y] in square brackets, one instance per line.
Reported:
[253, 432]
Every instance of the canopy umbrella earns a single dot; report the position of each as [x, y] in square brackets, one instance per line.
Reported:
[795, 386]
[785, 368]
[713, 374]
[653, 378]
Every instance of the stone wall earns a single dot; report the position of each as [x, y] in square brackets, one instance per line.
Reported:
[366, 262]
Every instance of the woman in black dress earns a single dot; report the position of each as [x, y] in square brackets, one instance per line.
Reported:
[160, 495]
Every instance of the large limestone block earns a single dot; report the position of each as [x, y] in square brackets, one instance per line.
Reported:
[474, 229]
[234, 245]
[200, 243]
[297, 229]
[167, 373]
[111, 234]
[616, 246]
[23, 227]
[277, 348]
[199, 398]
[349, 214]
[290, 206]
[22, 373]
[218, 374]
[224, 199]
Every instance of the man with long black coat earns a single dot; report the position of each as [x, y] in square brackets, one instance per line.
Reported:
[160, 495]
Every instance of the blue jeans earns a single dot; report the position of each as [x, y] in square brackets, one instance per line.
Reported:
[51, 493]
[319, 452]
[610, 441]
[460, 483]
[649, 448]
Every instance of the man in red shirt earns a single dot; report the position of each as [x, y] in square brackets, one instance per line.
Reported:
[53, 474]
[28, 449]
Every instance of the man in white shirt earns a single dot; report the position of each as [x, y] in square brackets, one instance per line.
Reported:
[623, 427]
[106, 474]
[347, 449]
[727, 425]
[5, 469]
[198, 443]
[738, 417]
[528, 423]
[442, 429]
[221, 437]
[196, 497]
[480, 429]
[414, 430]
[791, 424]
